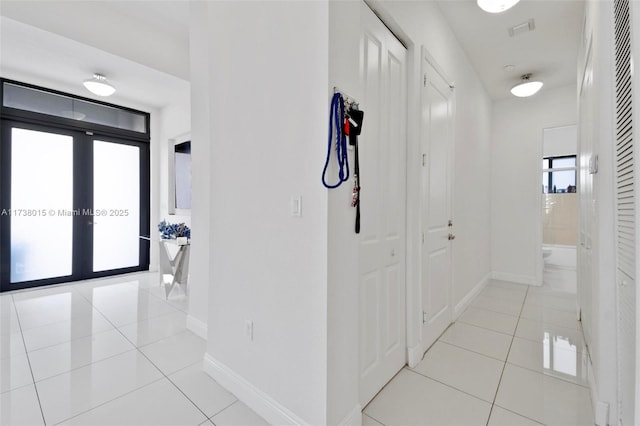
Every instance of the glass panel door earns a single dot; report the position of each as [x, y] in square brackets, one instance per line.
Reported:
[72, 205]
[41, 212]
[116, 201]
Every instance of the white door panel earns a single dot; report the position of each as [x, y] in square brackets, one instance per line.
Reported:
[435, 204]
[382, 147]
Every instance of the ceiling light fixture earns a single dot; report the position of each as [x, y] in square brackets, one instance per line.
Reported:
[98, 85]
[496, 6]
[527, 87]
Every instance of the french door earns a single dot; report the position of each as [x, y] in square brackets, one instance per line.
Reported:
[73, 205]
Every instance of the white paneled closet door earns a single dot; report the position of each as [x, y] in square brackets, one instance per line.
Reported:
[382, 150]
[626, 215]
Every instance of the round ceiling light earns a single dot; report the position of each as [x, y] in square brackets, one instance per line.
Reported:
[496, 6]
[527, 87]
[98, 85]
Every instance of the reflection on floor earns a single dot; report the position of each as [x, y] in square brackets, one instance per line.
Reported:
[560, 269]
[107, 352]
[516, 356]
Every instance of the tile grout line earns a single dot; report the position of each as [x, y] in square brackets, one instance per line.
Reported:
[450, 386]
[138, 349]
[471, 350]
[165, 376]
[135, 347]
[507, 357]
[35, 387]
[106, 402]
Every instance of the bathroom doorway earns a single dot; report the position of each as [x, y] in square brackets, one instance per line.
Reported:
[559, 208]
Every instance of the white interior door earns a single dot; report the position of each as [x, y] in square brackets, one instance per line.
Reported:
[383, 203]
[435, 186]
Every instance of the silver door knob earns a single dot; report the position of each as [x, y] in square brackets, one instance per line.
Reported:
[451, 237]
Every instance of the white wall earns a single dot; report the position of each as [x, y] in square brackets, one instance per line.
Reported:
[560, 141]
[174, 120]
[265, 85]
[516, 178]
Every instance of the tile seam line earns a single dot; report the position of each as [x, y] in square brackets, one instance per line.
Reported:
[504, 366]
[110, 400]
[35, 387]
[451, 387]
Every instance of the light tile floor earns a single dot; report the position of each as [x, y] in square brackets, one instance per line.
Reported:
[115, 352]
[107, 352]
[516, 356]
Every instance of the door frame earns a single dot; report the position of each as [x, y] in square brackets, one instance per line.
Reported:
[10, 117]
[423, 346]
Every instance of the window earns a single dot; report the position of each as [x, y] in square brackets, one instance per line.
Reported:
[559, 175]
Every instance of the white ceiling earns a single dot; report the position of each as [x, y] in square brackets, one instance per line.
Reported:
[142, 46]
[549, 52]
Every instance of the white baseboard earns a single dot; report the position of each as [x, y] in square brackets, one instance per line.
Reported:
[354, 418]
[264, 405]
[199, 328]
[600, 408]
[414, 355]
[515, 278]
[466, 301]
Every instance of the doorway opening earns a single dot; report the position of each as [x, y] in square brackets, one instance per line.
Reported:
[559, 208]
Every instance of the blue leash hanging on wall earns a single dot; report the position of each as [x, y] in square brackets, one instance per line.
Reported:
[336, 118]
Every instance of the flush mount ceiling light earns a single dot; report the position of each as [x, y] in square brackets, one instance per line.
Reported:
[527, 87]
[98, 85]
[496, 6]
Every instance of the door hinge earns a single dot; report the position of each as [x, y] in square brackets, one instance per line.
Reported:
[423, 238]
[450, 223]
[424, 317]
[424, 82]
[424, 160]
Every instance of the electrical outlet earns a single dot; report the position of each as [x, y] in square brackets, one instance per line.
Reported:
[296, 206]
[248, 329]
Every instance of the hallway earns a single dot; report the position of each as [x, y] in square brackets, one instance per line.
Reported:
[464, 379]
[114, 351]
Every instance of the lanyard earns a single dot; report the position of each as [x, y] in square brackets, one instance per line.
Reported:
[336, 115]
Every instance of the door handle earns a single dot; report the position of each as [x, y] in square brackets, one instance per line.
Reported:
[451, 237]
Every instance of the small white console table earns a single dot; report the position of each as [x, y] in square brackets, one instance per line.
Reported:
[177, 266]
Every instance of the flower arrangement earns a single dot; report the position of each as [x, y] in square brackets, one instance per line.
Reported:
[173, 230]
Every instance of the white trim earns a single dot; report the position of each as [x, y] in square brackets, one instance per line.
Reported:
[354, 418]
[264, 405]
[414, 355]
[600, 408]
[515, 278]
[199, 328]
[466, 301]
